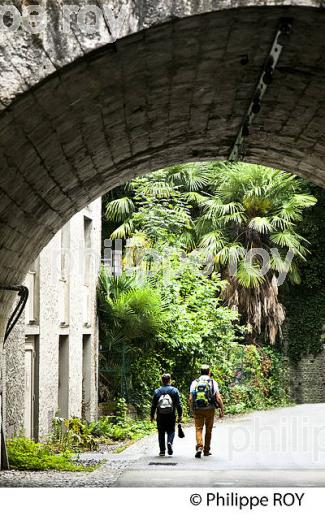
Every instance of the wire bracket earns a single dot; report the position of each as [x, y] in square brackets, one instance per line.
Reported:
[264, 82]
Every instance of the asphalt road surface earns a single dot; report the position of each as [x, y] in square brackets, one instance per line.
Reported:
[281, 447]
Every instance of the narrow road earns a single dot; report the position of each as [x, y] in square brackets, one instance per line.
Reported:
[281, 447]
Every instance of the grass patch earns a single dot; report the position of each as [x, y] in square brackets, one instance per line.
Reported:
[27, 455]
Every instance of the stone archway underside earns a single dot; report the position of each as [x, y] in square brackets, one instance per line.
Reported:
[175, 92]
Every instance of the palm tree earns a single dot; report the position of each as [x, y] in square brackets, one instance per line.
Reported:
[254, 209]
[225, 210]
[131, 314]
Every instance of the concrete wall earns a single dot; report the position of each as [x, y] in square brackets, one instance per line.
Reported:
[48, 326]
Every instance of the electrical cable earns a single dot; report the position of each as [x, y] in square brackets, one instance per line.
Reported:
[19, 309]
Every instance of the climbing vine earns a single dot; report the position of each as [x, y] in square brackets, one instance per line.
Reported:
[305, 303]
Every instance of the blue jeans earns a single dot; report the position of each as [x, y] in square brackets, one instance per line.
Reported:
[166, 425]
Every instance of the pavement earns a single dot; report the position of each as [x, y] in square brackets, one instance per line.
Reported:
[281, 447]
[284, 447]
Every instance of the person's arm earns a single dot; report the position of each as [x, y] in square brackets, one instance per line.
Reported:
[218, 399]
[220, 403]
[178, 405]
[153, 406]
[190, 398]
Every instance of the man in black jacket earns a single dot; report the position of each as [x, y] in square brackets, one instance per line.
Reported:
[166, 401]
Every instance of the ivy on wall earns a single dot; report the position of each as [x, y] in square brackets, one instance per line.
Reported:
[305, 303]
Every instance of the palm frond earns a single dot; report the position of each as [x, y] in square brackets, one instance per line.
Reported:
[281, 223]
[249, 274]
[280, 264]
[212, 242]
[159, 190]
[192, 177]
[187, 239]
[195, 197]
[230, 254]
[239, 218]
[123, 231]
[303, 200]
[138, 239]
[119, 209]
[294, 274]
[290, 240]
[261, 225]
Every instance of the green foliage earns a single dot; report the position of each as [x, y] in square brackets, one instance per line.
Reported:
[263, 381]
[153, 206]
[198, 326]
[305, 305]
[253, 207]
[25, 454]
[197, 329]
[133, 308]
[194, 324]
[224, 210]
[122, 430]
[121, 411]
[76, 435]
[131, 316]
[72, 434]
[186, 228]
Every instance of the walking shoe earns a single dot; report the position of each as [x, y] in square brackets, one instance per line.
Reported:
[198, 454]
[207, 453]
[162, 454]
[170, 449]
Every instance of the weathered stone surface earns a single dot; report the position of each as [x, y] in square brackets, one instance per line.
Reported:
[307, 379]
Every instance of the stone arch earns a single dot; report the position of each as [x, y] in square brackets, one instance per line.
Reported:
[174, 91]
[26, 59]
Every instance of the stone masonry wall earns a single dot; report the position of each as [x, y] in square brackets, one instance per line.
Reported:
[27, 59]
[48, 337]
[307, 379]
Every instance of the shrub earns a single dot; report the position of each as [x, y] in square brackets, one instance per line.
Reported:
[72, 434]
[120, 431]
[77, 434]
[262, 382]
[25, 454]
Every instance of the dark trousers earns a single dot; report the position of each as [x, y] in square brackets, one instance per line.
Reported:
[166, 425]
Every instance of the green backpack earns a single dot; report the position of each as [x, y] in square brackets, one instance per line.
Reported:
[202, 394]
